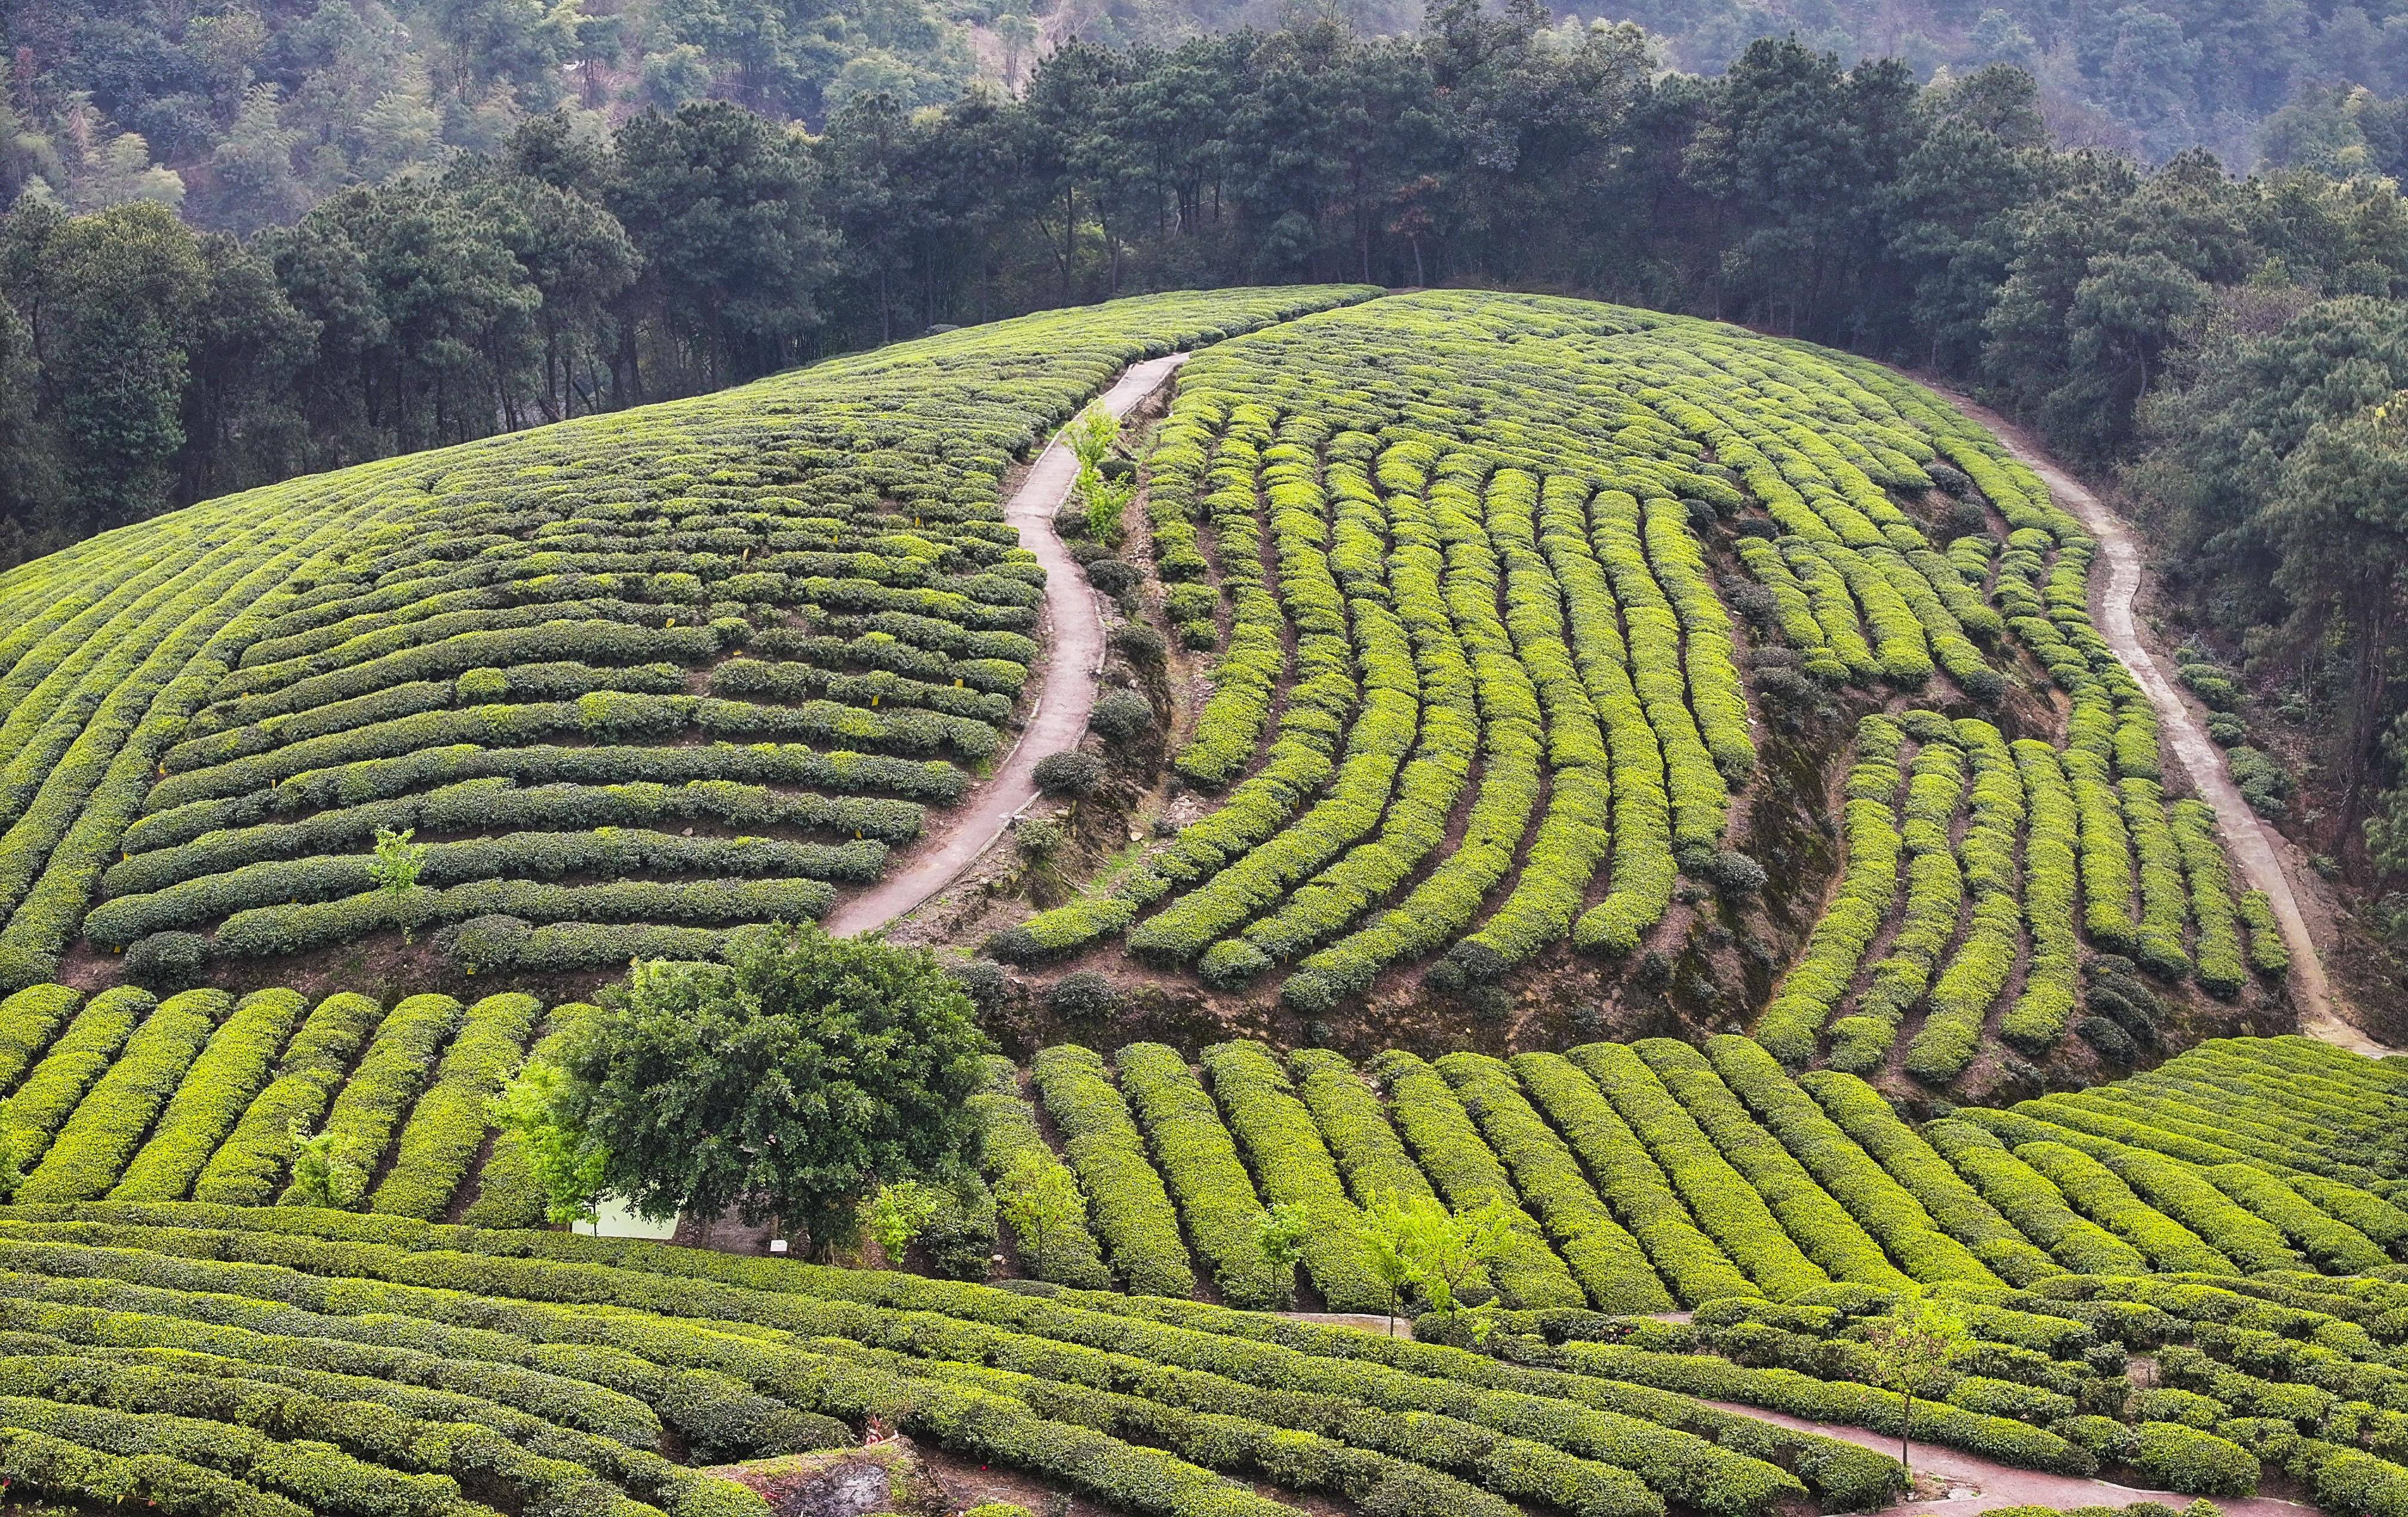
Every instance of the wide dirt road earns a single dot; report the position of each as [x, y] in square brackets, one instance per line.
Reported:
[1074, 656]
[2254, 846]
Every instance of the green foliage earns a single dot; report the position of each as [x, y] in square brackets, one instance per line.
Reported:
[788, 1082]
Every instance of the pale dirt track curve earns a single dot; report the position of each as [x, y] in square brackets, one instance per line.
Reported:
[1074, 656]
[2254, 846]
[2004, 1485]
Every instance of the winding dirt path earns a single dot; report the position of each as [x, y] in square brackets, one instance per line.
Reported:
[2254, 845]
[1988, 1484]
[1074, 656]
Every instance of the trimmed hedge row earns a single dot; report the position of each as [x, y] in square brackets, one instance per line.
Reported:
[1466, 1174]
[2052, 971]
[354, 785]
[214, 1095]
[2031, 1202]
[1815, 984]
[1629, 1178]
[508, 908]
[1294, 1167]
[1199, 1165]
[380, 1091]
[111, 1120]
[1911, 1160]
[29, 1019]
[1607, 1260]
[2102, 1195]
[1838, 1401]
[1880, 1204]
[608, 852]
[247, 1169]
[480, 804]
[1726, 1207]
[2267, 954]
[1821, 1227]
[446, 1125]
[1368, 1150]
[2221, 966]
[1133, 1215]
[1974, 975]
[50, 1091]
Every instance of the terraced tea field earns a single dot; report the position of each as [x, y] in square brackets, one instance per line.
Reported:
[635, 678]
[1469, 563]
[1534, 649]
[2225, 1221]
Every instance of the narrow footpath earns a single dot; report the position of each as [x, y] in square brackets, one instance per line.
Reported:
[1977, 1484]
[2256, 847]
[1074, 657]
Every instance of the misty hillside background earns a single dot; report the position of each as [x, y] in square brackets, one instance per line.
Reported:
[244, 113]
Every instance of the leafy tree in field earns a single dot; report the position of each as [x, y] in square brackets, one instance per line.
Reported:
[569, 1165]
[1280, 1234]
[1042, 1204]
[1915, 1351]
[789, 1082]
[328, 1170]
[1415, 1241]
[898, 1213]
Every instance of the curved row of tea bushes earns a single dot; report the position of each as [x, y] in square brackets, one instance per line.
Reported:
[91, 1148]
[1909, 1157]
[2031, 1202]
[1253, 658]
[1607, 1260]
[2221, 965]
[1575, 829]
[484, 804]
[1883, 1206]
[1132, 1212]
[1200, 1166]
[1821, 1227]
[1815, 986]
[1466, 1174]
[1368, 1152]
[29, 1019]
[2165, 902]
[2267, 954]
[1434, 776]
[248, 1168]
[1690, 1262]
[214, 1095]
[1068, 1344]
[446, 1125]
[1726, 1207]
[380, 1091]
[2100, 1194]
[1385, 716]
[2043, 1009]
[358, 785]
[607, 852]
[1013, 1150]
[1976, 974]
[1285, 1150]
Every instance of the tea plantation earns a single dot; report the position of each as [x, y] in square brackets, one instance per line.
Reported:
[790, 613]
[2180, 1282]
[1478, 690]
[1509, 625]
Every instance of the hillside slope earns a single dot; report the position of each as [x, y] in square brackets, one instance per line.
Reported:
[211, 715]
